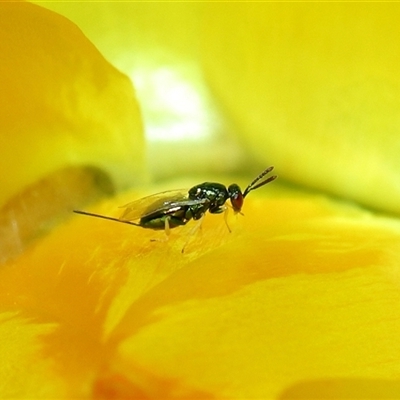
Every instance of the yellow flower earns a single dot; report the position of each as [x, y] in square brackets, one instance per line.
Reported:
[300, 300]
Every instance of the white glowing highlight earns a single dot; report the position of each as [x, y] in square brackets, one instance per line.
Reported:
[175, 103]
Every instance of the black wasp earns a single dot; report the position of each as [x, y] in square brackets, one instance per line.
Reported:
[167, 210]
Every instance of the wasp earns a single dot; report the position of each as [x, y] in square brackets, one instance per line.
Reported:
[173, 208]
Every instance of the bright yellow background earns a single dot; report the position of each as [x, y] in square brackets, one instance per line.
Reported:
[311, 87]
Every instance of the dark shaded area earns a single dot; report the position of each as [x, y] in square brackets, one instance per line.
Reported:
[345, 388]
[47, 202]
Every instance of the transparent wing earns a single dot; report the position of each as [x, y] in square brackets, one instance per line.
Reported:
[169, 207]
[159, 201]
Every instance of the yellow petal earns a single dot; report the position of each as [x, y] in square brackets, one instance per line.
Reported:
[61, 101]
[24, 370]
[319, 84]
[302, 290]
[69, 124]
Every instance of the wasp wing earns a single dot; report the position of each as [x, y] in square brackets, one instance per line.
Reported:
[149, 204]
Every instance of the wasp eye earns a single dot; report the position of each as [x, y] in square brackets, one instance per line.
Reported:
[236, 196]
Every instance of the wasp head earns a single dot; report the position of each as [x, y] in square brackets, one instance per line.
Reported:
[236, 196]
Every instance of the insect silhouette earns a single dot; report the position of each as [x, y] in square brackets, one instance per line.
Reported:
[167, 210]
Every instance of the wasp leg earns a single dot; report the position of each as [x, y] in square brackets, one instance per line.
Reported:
[197, 227]
[226, 212]
[167, 231]
[167, 228]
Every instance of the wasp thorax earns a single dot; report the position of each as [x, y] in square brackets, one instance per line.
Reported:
[213, 195]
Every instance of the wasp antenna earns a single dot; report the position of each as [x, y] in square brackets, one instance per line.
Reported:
[258, 182]
[259, 177]
[270, 179]
[104, 217]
